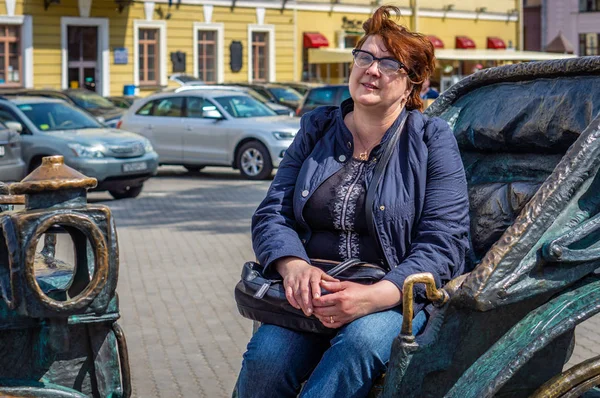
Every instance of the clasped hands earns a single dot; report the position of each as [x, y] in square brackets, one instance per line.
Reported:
[346, 302]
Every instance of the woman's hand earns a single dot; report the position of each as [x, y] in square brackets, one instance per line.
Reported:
[349, 301]
[301, 282]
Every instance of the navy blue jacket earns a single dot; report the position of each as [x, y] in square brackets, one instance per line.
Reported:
[421, 209]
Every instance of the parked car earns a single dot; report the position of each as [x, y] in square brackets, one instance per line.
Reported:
[278, 109]
[319, 96]
[100, 107]
[198, 128]
[302, 87]
[12, 167]
[183, 79]
[121, 161]
[123, 102]
[276, 93]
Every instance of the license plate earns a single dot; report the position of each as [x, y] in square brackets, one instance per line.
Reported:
[2, 150]
[137, 166]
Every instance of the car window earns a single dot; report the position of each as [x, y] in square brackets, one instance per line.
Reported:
[321, 96]
[300, 89]
[195, 106]
[7, 116]
[89, 100]
[146, 110]
[242, 106]
[49, 95]
[262, 92]
[168, 107]
[345, 94]
[54, 116]
[257, 96]
[121, 103]
[285, 94]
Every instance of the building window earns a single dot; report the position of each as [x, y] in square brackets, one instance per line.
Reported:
[148, 57]
[10, 55]
[589, 5]
[82, 56]
[207, 55]
[260, 56]
[588, 43]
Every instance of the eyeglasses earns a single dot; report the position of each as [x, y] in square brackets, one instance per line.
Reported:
[387, 66]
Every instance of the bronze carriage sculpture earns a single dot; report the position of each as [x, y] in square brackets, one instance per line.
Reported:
[58, 330]
[529, 136]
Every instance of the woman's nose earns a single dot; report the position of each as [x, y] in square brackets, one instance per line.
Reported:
[373, 69]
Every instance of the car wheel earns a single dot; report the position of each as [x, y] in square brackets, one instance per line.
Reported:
[254, 161]
[194, 169]
[126, 193]
[34, 164]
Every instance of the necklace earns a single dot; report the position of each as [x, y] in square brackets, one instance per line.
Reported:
[364, 155]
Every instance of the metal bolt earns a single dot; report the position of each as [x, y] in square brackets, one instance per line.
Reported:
[556, 251]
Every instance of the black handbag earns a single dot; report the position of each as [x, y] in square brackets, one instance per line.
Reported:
[262, 298]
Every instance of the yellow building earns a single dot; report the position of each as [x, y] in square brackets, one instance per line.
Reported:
[109, 44]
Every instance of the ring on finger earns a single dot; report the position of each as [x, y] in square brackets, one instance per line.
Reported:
[331, 319]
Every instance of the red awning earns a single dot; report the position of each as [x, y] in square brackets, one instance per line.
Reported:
[464, 42]
[436, 41]
[496, 43]
[315, 40]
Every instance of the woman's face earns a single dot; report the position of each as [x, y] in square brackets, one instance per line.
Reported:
[370, 87]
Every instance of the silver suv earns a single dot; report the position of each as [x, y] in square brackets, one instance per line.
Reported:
[197, 128]
[119, 160]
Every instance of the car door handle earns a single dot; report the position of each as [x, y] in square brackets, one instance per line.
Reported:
[188, 128]
[149, 127]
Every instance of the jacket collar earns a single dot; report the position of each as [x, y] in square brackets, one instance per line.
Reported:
[346, 137]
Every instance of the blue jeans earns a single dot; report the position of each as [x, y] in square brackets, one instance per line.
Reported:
[278, 360]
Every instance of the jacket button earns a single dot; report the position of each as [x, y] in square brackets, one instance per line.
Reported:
[382, 208]
[342, 158]
[305, 193]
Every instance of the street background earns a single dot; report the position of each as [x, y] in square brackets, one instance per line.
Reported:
[182, 244]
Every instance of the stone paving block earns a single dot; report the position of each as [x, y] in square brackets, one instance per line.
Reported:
[182, 244]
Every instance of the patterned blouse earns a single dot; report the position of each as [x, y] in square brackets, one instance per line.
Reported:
[336, 215]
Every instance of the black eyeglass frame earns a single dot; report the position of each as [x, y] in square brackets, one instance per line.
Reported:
[400, 64]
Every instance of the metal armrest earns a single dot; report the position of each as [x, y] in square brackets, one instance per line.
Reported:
[438, 297]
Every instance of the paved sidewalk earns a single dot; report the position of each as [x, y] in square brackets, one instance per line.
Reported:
[182, 244]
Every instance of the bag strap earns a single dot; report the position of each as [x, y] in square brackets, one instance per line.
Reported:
[377, 177]
[344, 265]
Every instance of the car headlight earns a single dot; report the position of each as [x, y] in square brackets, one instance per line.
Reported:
[87, 151]
[283, 135]
[148, 146]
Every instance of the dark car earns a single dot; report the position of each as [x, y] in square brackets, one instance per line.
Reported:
[326, 95]
[100, 107]
[302, 87]
[276, 93]
[123, 102]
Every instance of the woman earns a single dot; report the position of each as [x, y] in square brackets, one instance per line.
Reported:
[315, 209]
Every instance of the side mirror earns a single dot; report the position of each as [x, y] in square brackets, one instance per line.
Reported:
[212, 114]
[15, 126]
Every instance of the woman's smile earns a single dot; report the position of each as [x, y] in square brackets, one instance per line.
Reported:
[370, 86]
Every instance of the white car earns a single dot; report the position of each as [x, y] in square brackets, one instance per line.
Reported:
[198, 128]
[277, 108]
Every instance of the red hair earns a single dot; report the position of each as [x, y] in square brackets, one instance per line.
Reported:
[413, 49]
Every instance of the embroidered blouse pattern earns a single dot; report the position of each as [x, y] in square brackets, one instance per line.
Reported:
[344, 211]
